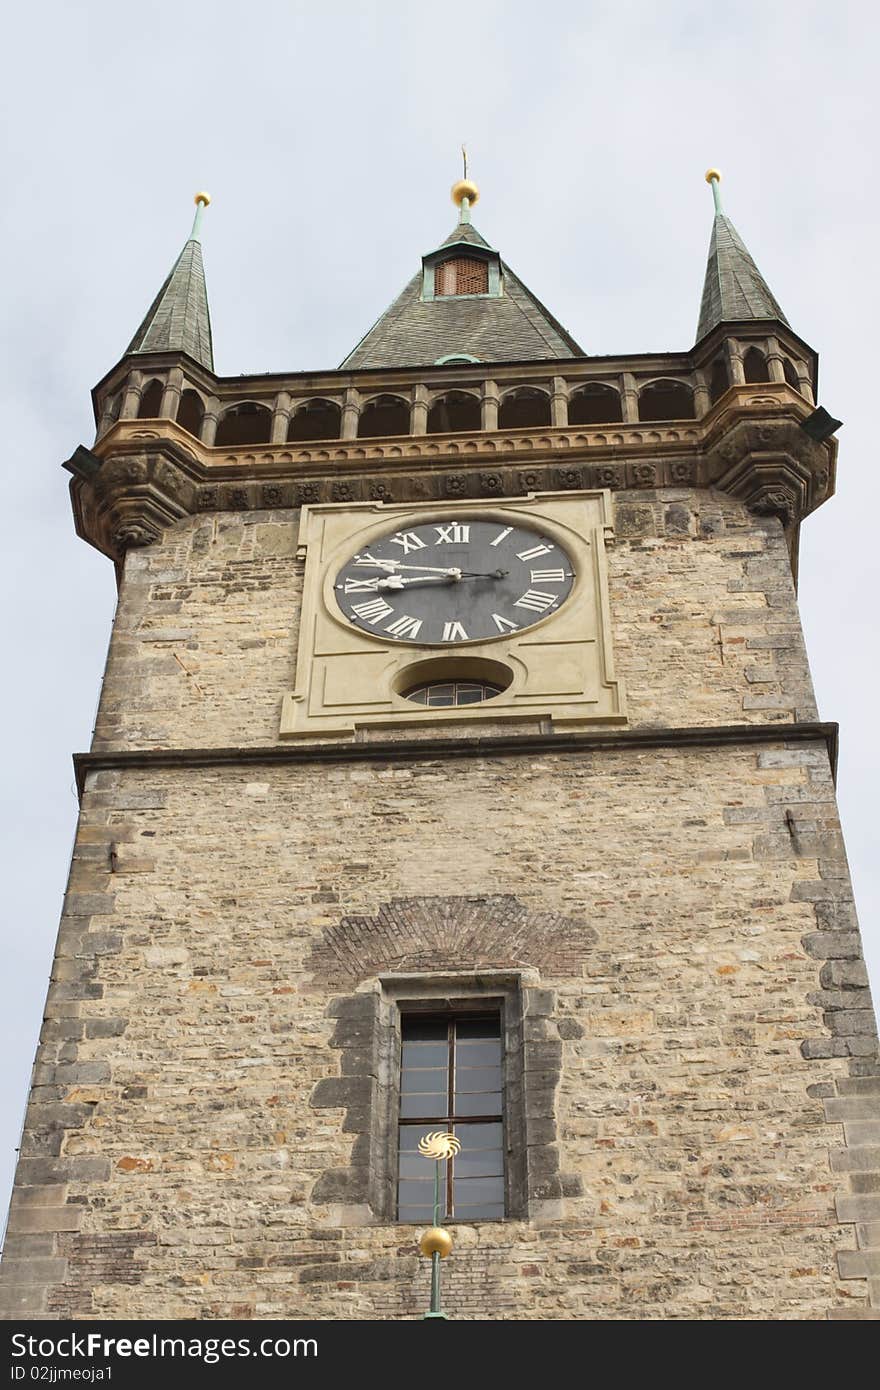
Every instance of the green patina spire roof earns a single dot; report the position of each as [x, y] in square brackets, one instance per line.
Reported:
[178, 319]
[506, 325]
[734, 288]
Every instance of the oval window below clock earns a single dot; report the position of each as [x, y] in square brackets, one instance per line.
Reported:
[445, 694]
[447, 682]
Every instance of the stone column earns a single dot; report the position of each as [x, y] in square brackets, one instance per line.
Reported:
[171, 395]
[108, 417]
[774, 360]
[630, 397]
[132, 397]
[559, 401]
[805, 385]
[209, 421]
[702, 402]
[735, 368]
[280, 418]
[351, 409]
[489, 406]
[418, 411]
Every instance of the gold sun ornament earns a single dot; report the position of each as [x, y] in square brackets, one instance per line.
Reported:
[438, 1145]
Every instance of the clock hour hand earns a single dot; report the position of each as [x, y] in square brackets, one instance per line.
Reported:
[400, 581]
[485, 574]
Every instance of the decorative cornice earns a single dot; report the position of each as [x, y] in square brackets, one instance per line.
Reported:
[416, 750]
[142, 476]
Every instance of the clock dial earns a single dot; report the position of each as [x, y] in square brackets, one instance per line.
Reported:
[448, 582]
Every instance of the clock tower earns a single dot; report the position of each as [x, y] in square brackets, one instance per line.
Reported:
[457, 769]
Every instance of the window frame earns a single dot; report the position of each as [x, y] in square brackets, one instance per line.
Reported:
[496, 992]
[449, 1121]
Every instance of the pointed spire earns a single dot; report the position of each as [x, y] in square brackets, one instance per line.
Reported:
[503, 322]
[734, 288]
[178, 319]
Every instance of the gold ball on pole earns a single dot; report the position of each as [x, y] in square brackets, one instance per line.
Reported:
[436, 1241]
[465, 188]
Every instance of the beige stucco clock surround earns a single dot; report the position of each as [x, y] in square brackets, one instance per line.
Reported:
[560, 668]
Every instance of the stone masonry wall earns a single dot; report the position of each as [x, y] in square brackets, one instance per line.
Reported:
[703, 1127]
[703, 996]
[704, 622]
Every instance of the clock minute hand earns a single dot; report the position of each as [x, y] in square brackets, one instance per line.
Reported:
[453, 573]
[394, 565]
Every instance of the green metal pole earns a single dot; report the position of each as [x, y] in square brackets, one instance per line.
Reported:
[436, 1311]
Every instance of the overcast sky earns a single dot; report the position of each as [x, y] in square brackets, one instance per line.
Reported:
[329, 136]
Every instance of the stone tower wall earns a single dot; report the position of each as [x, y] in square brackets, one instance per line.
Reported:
[701, 1096]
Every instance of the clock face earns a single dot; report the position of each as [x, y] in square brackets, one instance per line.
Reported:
[454, 581]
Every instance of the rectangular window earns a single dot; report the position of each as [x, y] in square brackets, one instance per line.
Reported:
[451, 1080]
[461, 275]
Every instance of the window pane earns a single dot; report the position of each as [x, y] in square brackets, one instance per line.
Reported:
[419, 1214]
[482, 1163]
[471, 1192]
[419, 1079]
[414, 1106]
[488, 1027]
[471, 1079]
[414, 1193]
[483, 1103]
[478, 1054]
[424, 1029]
[415, 1165]
[409, 1137]
[493, 1211]
[473, 1137]
[425, 1054]
[441, 695]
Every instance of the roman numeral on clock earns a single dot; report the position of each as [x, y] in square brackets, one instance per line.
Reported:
[504, 624]
[361, 586]
[453, 534]
[535, 600]
[408, 540]
[535, 551]
[501, 534]
[548, 576]
[405, 627]
[373, 612]
[453, 632]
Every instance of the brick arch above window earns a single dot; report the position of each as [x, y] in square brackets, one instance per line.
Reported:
[448, 933]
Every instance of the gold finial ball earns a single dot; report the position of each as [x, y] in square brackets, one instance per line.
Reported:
[713, 175]
[203, 198]
[465, 188]
[436, 1241]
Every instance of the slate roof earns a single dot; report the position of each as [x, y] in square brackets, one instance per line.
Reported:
[178, 319]
[514, 327]
[734, 288]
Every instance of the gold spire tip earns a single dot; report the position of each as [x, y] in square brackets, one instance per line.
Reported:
[202, 199]
[465, 188]
[713, 175]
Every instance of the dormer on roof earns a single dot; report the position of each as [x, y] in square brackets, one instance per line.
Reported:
[465, 265]
[464, 305]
